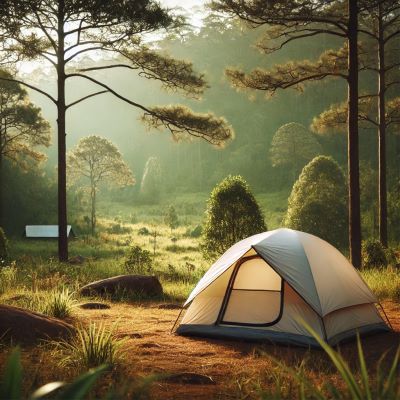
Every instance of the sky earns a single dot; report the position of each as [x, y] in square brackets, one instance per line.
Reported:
[194, 8]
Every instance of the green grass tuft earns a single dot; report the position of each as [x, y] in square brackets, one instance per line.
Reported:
[91, 347]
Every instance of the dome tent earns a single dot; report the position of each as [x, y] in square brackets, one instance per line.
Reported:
[264, 286]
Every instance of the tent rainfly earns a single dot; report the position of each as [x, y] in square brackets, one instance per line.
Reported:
[45, 231]
[266, 286]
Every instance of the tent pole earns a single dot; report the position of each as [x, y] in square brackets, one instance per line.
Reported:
[384, 313]
[179, 315]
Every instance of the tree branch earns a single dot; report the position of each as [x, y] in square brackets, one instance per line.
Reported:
[84, 98]
[30, 87]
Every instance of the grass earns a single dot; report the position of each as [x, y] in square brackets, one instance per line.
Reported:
[8, 278]
[58, 303]
[12, 379]
[384, 282]
[36, 280]
[385, 385]
[91, 347]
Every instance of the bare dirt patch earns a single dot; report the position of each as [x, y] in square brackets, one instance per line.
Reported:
[237, 368]
[151, 348]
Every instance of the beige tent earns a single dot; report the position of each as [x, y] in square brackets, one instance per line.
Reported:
[264, 286]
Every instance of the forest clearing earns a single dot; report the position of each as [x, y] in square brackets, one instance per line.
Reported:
[199, 199]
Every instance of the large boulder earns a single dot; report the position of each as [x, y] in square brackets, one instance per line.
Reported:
[140, 285]
[27, 327]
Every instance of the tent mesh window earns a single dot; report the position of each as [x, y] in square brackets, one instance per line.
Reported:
[255, 295]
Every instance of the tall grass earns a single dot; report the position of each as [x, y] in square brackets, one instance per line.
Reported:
[12, 379]
[58, 303]
[91, 347]
[8, 278]
[385, 385]
[384, 282]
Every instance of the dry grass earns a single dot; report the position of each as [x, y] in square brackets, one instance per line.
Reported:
[240, 369]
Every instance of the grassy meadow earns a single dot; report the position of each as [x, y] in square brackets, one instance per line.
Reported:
[133, 336]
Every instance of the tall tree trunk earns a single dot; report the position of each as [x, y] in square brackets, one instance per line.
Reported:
[62, 168]
[352, 135]
[1, 189]
[382, 132]
[93, 210]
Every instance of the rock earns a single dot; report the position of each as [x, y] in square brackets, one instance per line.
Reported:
[77, 260]
[189, 378]
[27, 327]
[150, 345]
[94, 306]
[127, 284]
[169, 306]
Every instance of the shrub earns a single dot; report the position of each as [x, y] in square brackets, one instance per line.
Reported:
[373, 254]
[318, 202]
[171, 218]
[391, 257]
[143, 231]
[232, 214]
[138, 261]
[3, 246]
[196, 231]
[118, 229]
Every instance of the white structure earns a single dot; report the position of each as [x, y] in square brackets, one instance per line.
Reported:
[265, 286]
[45, 231]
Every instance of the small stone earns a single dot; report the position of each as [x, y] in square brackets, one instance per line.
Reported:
[189, 378]
[95, 306]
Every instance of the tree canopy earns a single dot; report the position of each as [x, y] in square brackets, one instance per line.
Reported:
[22, 126]
[318, 202]
[61, 32]
[293, 145]
[96, 160]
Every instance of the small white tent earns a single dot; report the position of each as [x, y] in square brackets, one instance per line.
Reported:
[264, 286]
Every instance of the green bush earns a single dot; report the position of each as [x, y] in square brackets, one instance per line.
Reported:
[318, 202]
[391, 257]
[3, 246]
[232, 214]
[196, 231]
[138, 261]
[143, 231]
[171, 218]
[118, 229]
[373, 254]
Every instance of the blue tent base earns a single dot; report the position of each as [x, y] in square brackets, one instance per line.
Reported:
[263, 335]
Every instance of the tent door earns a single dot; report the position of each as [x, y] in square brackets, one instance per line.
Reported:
[254, 296]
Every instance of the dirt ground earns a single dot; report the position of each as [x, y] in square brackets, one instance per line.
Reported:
[238, 369]
[231, 364]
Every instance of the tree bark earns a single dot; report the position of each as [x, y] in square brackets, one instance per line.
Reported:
[1, 190]
[382, 132]
[352, 134]
[93, 211]
[62, 167]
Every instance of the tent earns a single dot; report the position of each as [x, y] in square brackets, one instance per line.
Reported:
[45, 231]
[266, 286]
